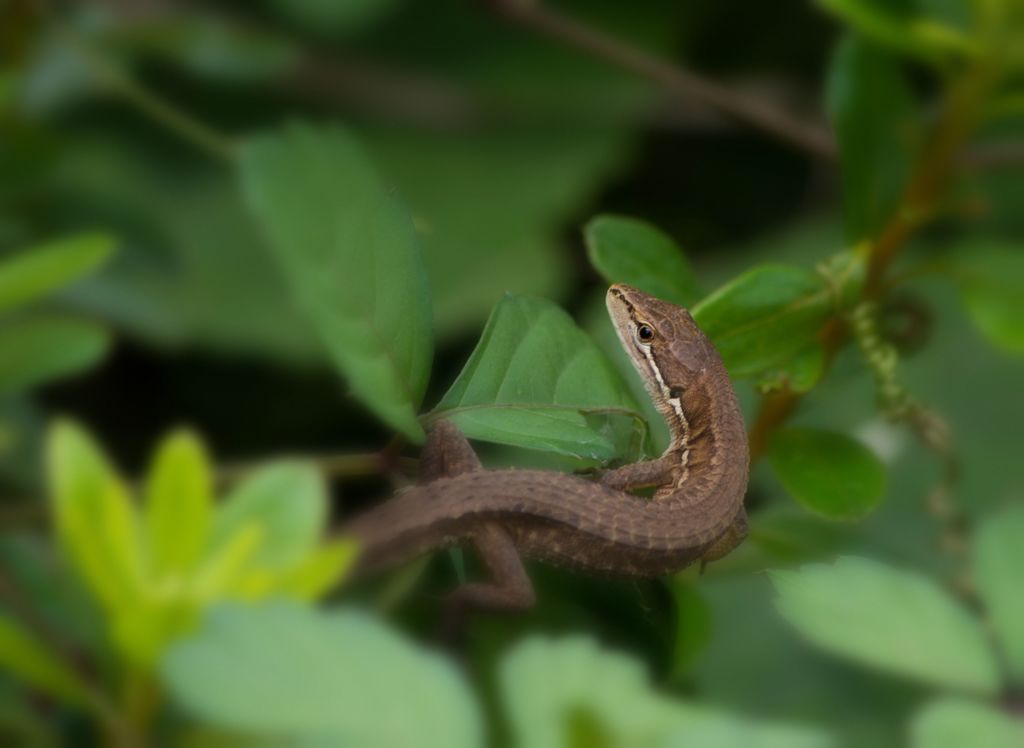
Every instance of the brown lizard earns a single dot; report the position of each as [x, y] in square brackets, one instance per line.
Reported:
[696, 512]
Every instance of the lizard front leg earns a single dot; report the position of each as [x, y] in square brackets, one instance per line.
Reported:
[447, 453]
[651, 473]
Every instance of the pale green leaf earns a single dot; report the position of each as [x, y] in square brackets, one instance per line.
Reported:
[36, 350]
[955, 723]
[350, 255]
[559, 692]
[874, 118]
[97, 526]
[893, 620]
[296, 674]
[829, 473]
[536, 380]
[28, 660]
[179, 497]
[39, 270]
[628, 250]
[287, 500]
[998, 550]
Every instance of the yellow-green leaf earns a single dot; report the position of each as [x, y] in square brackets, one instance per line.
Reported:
[178, 504]
[320, 570]
[96, 523]
[288, 499]
[24, 657]
[222, 570]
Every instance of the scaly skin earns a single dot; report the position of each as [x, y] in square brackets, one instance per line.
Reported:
[592, 526]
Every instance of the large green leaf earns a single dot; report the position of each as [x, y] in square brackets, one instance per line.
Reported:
[536, 380]
[287, 501]
[628, 250]
[760, 320]
[291, 673]
[191, 270]
[893, 620]
[998, 559]
[351, 257]
[873, 115]
[26, 658]
[40, 349]
[952, 723]
[827, 472]
[559, 692]
[179, 499]
[37, 271]
[991, 275]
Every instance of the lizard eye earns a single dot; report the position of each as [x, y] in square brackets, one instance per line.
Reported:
[644, 332]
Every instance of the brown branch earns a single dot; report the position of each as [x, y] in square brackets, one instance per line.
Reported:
[927, 183]
[683, 84]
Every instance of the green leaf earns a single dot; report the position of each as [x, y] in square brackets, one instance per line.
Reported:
[799, 374]
[628, 250]
[873, 114]
[287, 500]
[96, 523]
[58, 600]
[762, 319]
[998, 559]
[332, 678]
[536, 380]
[351, 257]
[37, 271]
[827, 472]
[40, 349]
[952, 723]
[991, 274]
[555, 690]
[179, 498]
[27, 659]
[897, 621]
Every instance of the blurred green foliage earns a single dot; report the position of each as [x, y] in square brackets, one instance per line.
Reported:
[307, 193]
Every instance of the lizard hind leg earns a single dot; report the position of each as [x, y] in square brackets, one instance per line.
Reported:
[509, 589]
[448, 453]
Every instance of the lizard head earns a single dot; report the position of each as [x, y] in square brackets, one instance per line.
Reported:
[665, 344]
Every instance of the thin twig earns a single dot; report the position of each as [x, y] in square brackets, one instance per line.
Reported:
[688, 86]
[160, 110]
[340, 465]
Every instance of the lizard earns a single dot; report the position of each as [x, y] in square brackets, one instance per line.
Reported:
[598, 526]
